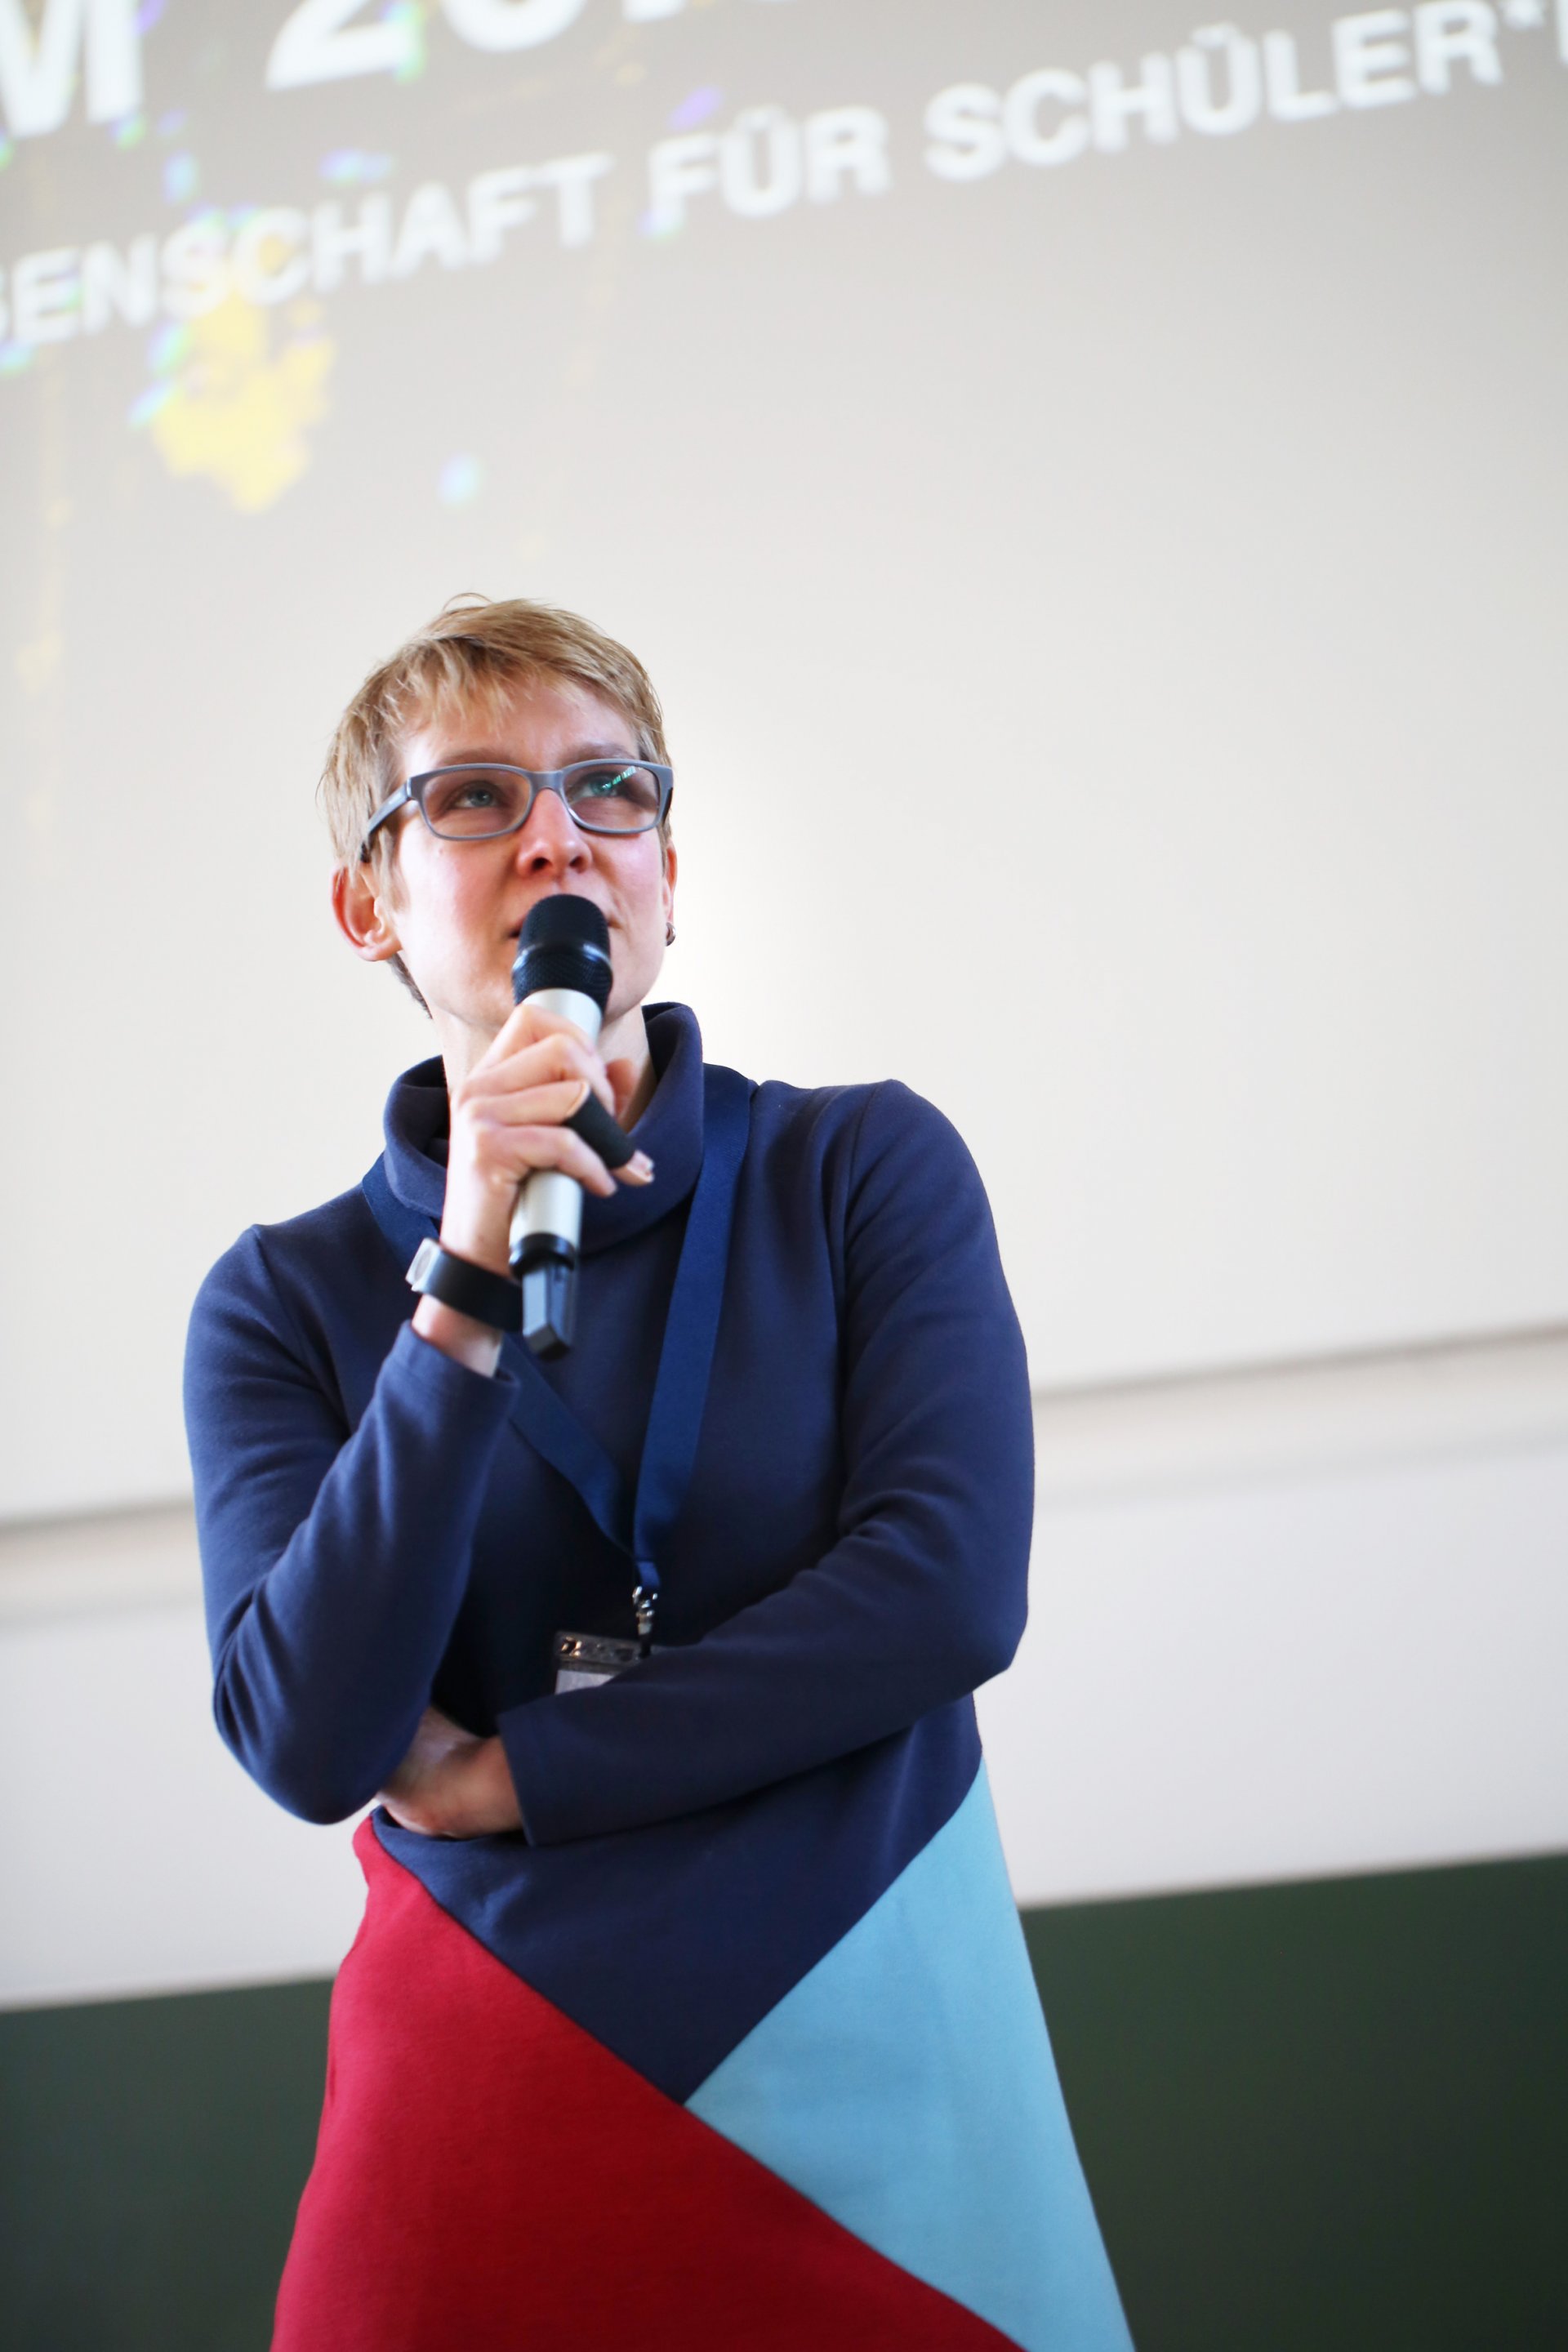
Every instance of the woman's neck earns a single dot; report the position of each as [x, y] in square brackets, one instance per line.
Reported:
[626, 1040]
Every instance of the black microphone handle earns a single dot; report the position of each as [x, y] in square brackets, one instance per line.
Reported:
[546, 1262]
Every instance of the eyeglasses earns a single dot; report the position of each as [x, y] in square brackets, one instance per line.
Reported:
[477, 803]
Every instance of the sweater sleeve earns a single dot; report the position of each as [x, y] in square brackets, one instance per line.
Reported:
[920, 1599]
[334, 1561]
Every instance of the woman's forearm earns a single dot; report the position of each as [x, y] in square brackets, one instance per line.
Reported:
[334, 1562]
[921, 1600]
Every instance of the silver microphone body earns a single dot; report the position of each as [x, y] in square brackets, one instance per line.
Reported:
[550, 1203]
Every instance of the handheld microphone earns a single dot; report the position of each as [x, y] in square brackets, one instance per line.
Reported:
[564, 962]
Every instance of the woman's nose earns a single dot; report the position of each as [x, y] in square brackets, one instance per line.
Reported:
[548, 840]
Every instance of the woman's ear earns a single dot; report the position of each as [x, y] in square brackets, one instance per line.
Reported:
[671, 863]
[362, 913]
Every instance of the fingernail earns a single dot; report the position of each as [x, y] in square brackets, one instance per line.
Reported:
[639, 1166]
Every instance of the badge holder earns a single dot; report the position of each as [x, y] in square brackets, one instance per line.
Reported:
[584, 1659]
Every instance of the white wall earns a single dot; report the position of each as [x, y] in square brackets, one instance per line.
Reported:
[1308, 1623]
[1359, 1671]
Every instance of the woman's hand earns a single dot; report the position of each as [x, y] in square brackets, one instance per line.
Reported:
[452, 1783]
[507, 1115]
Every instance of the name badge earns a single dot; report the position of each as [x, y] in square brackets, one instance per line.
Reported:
[584, 1659]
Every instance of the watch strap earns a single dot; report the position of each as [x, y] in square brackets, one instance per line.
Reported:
[470, 1290]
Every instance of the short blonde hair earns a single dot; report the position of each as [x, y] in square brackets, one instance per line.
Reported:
[470, 657]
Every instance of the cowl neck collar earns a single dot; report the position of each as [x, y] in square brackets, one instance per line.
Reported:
[416, 1126]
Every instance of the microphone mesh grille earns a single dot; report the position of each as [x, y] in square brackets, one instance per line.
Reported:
[565, 943]
[562, 921]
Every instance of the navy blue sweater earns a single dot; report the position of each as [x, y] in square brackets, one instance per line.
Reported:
[377, 1536]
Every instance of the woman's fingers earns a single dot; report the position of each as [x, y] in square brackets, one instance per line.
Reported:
[544, 1081]
[509, 1125]
[560, 1148]
[561, 1053]
[508, 1120]
[549, 1104]
[463, 1789]
[530, 1025]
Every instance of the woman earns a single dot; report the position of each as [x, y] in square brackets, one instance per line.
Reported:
[690, 2006]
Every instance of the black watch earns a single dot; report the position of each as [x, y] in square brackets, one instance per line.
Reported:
[457, 1282]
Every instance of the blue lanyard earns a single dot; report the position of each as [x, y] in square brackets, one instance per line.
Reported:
[640, 1523]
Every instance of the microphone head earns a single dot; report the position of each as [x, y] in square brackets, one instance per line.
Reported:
[565, 943]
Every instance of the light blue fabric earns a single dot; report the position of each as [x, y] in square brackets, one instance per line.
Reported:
[906, 2086]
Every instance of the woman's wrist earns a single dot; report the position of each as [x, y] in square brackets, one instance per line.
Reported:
[476, 1345]
[480, 1232]
[476, 1223]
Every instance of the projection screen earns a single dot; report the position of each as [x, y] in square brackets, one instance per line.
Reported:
[1089, 486]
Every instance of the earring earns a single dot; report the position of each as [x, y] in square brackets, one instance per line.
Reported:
[669, 935]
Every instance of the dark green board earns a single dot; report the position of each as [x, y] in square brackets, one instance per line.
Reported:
[1326, 2118]
[1329, 2118]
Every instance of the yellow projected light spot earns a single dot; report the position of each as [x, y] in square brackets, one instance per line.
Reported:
[239, 415]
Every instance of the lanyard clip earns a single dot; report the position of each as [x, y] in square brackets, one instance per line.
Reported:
[645, 1600]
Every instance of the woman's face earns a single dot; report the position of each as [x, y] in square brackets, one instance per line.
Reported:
[457, 906]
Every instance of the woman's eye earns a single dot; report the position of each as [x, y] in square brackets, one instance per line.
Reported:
[475, 794]
[603, 786]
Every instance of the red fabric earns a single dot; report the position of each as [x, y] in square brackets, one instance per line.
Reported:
[489, 2176]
